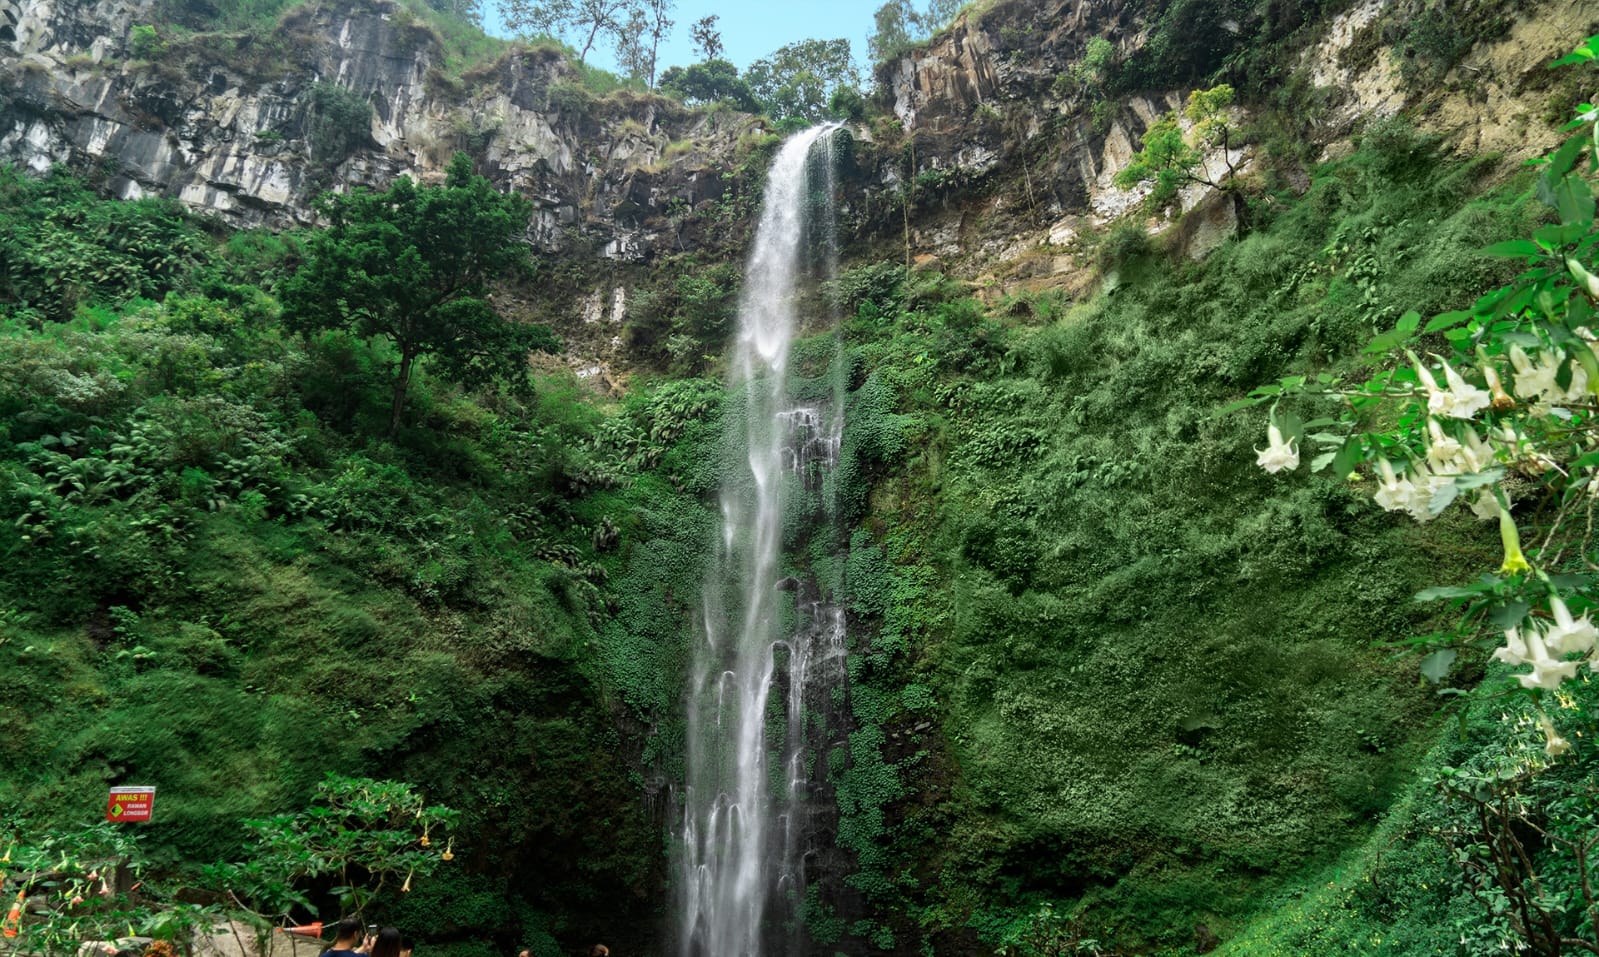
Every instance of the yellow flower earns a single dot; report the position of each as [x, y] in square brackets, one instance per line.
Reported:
[1515, 562]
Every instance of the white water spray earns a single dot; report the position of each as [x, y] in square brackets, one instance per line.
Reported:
[740, 870]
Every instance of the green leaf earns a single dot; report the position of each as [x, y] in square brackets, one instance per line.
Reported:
[1514, 248]
[1386, 342]
[1349, 456]
[1508, 615]
[1560, 164]
[1574, 201]
[1447, 320]
[1585, 53]
[1237, 406]
[1435, 667]
[1440, 592]
[1479, 479]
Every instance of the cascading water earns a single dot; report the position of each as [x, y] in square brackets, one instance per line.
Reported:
[769, 648]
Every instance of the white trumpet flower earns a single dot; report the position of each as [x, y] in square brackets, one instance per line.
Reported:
[1486, 507]
[1547, 672]
[1465, 399]
[1278, 455]
[1444, 450]
[1569, 635]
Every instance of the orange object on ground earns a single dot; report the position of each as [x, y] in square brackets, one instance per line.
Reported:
[304, 930]
[14, 918]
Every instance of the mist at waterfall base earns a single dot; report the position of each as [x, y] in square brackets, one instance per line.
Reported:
[768, 676]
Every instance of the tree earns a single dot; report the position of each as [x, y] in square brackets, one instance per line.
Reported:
[707, 38]
[1089, 72]
[798, 80]
[638, 42]
[899, 25]
[366, 835]
[938, 15]
[471, 11]
[893, 35]
[710, 82]
[1170, 161]
[588, 19]
[412, 265]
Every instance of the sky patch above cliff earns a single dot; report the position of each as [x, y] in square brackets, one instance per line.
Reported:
[750, 32]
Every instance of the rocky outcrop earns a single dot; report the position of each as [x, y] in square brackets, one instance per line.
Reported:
[249, 128]
[1008, 148]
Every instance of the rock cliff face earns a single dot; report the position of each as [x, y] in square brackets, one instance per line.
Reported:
[1012, 147]
[241, 129]
[1005, 149]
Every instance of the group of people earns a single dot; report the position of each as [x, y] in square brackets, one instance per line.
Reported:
[351, 939]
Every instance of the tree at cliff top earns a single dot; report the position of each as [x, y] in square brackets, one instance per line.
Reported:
[900, 25]
[589, 19]
[713, 81]
[797, 81]
[638, 43]
[707, 38]
[413, 265]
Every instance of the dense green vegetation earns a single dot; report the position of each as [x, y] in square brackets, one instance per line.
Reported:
[1110, 682]
[1167, 683]
[220, 579]
[1125, 694]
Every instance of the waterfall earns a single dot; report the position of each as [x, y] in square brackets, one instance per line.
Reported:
[769, 649]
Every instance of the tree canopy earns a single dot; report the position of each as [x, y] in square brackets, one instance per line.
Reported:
[797, 81]
[710, 82]
[900, 24]
[413, 264]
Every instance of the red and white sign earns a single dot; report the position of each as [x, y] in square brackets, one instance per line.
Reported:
[130, 804]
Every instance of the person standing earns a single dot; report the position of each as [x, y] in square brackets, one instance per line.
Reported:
[388, 943]
[347, 940]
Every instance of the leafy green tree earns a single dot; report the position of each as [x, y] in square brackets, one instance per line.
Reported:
[369, 835]
[900, 24]
[1172, 159]
[710, 82]
[412, 264]
[1089, 72]
[892, 35]
[798, 80]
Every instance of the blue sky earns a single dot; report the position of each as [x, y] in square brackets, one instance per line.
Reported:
[752, 30]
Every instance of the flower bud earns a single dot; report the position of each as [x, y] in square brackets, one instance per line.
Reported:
[1585, 279]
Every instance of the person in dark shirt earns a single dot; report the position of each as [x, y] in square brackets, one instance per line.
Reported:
[348, 940]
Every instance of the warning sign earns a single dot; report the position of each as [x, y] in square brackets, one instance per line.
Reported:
[131, 804]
